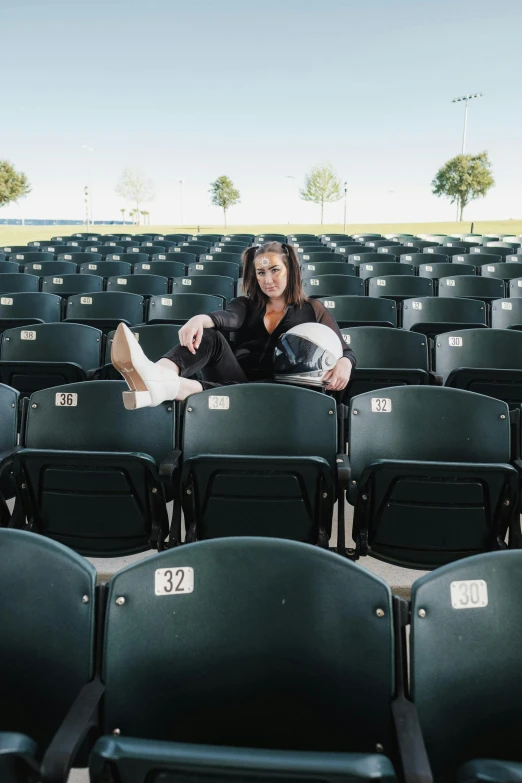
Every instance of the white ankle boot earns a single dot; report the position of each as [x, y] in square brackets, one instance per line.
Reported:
[150, 383]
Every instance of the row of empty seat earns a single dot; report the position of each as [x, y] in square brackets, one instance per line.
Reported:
[256, 660]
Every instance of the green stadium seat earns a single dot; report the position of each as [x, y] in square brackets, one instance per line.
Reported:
[321, 257]
[446, 250]
[397, 250]
[116, 257]
[45, 355]
[316, 711]
[209, 238]
[194, 247]
[361, 311]
[127, 243]
[135, 255]
[178, 308]
[47, 615]
[371, 258]
[291, 456]
[9, 407]
[327, 268]
[27, 258]
[506, 314]
[262, 238]
[430, 475]
[106, 268]
[17, 283]
[25, 308]
[80, 258]
[436, 271]
[384, 268]
[67, 285]
[486, 361]
[512, 245]
[177, 237]
[222, 258]
[144, 284]
[399, 288]
[181, 258]
[43, 244]
[463, 624]
[477, 260]
[386, 357]
[333, 285]
[105, 250]
[13, 249]
[503, 271]
[236, 249]
[468, 287]
[432, 315]
[515, 288]
[420, 243]
[105, 310]
[418, 259]
[8, 267]
[88, 474]
[222, 268]
[492, 250]
[214, 285]
[50, 268]
[514, 259]
[350, 252]
[168, 269]
[376, 243]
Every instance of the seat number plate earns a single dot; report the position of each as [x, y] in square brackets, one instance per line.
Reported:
[92, 266]
[145, 266]
[381, 282]
[86, 300]
[455, 342]
[450, 283]
[416, 305]
[37, 266]
[368, 267]
[428, 268]
[27, 335]
[469, 594]
[166, 302]
[200, 267]
[314, 281]
[6, 300]
[121, 281]
[507, 306]
[381, 405]
[66, 400]
[174, 581]
[329, 304]
[57, 281]
[347, 339]
[219, 402]
[186, 281]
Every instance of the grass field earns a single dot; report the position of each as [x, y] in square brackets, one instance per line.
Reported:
[20, 235]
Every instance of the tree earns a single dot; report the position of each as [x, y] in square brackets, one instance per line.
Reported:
[13, 184]
[134, 186]
[224, 194]
[463, 179]
[145, 215]
[123, 211]
[321, 186]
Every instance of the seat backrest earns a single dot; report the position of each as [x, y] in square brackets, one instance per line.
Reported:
[181, 307]
[354, 252]
[105, 305]
[506, 313]
[8, 267]
[396, 285]
[167, 269]
[436, 271]
[79, 258]
[50, 268]
[8, 417]
[484, 288]
[214, 285]
[387, 348]
[498, 251]
[181, 257]
[64, 285]
[272, 682]
[155, 340]
[27, 258]
[104, 250]
[371, 258]
[465, 623]
[90, 416]
[436, 257]
[135, 256]
[54, 342]
[475, 259]
[446, 250]
[222, 268]
[503, 271]
[223, 257]
[333, 285]
[397, 250]
[44, 307]
[362, 309]
[327, 268]
[368, 270]
[221, 421]
[47, 640]
[486, 348]
[14, 283]
[144, 285]
[427, 424]
[432, 309]
[106, 268]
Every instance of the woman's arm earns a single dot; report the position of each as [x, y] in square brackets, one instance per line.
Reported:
[231, 318]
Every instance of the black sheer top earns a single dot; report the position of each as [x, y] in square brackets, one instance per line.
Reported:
[254, 345]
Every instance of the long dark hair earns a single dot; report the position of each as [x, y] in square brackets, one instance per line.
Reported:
[294, 294]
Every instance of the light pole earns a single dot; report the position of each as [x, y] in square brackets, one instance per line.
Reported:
[345, 192]
[88, 188]
[465, 98]
[289, 177]
[181, 181]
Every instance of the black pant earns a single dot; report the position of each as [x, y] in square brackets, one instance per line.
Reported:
[214, 359]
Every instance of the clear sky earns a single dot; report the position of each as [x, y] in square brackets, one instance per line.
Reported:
[259, 91]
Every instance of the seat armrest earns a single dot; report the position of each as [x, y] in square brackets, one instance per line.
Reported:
[81, 717]
[169, 464]
[6, 458]
[344, 470]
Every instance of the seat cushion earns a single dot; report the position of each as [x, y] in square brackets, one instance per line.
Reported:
[129, 760]
[490, 771]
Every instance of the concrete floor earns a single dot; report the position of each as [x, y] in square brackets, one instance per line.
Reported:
[399, 579]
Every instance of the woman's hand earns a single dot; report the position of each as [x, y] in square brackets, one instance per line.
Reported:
[191, 333]
[340, 375]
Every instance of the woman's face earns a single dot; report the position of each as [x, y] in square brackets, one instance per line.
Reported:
[271, 274]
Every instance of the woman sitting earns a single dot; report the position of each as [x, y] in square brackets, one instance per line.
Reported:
[274, 303]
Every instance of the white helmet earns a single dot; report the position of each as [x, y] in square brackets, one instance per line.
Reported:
[305, 353]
